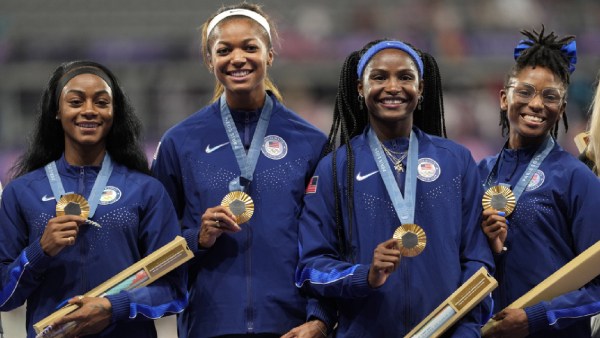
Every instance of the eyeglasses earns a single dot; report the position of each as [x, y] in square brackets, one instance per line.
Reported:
[524, 93]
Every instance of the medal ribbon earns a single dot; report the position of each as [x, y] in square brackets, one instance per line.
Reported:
[246, 162]
[404, 205]
[532, 167]
[101, 180]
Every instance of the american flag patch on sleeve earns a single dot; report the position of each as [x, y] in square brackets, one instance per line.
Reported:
[312, 185]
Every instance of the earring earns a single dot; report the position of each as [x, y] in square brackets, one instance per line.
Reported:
[420, 101]
[361, 101]
[57, 117]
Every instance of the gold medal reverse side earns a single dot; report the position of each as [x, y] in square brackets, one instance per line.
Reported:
[73, 204]
[411, 239]
[240, 204]
[499, 197]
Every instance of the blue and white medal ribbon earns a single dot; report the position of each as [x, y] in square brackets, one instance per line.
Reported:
[533, 166]
[58, 189]
[535, 162]
[411, 238]
[247, 163]
[404, 205]
[237, 201]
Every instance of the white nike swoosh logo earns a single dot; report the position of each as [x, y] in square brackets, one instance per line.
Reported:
[47, 198]
[210, 150]
[360, 177]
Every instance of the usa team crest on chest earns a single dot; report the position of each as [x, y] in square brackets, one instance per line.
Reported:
[536, 180]
[110, 195]
[274, 147]
[428, 170]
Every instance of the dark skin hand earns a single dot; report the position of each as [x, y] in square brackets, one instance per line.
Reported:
[509, 323]
[495, 228]
[386, 259]
[92, 317]
[215, 221]
[311, 329]
[60, 232]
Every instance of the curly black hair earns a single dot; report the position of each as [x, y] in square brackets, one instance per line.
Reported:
[544, 51]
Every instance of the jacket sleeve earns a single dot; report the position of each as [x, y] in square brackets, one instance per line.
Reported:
[166, 167]
[583, 213]
[321, 269]
[22, 264]
[318, 307]
[474, 249]
[167, 295]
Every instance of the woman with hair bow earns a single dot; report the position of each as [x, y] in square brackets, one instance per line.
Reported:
[552, 211]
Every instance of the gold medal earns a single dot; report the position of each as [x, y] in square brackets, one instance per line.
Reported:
[240, 204]
[499, 197]
[411, 239]
[73, 204]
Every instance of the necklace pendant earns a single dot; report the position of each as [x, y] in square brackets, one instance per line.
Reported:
[399, 167]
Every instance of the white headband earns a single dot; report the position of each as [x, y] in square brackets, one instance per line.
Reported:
[238, 11]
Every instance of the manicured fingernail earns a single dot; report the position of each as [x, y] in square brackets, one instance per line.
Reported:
[507, 222]
[501, 213]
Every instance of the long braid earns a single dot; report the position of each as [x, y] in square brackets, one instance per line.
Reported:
[544, 51]
[430, 118]
[345, 123]
[351, 117]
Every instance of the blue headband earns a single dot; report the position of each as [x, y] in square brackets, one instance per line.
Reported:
[386, 45]
[569, 50]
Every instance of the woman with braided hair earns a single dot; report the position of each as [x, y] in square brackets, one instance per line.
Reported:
[553, 214]
[393, 167]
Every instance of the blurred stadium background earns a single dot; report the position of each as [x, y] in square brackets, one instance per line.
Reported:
[154, 48]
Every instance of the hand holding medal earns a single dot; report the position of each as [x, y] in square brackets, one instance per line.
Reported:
[216, 221]
[74, 204]
[62, 231]
[498, 202]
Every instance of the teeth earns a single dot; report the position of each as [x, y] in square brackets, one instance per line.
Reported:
[240, 73]
[392, 101]
[87, 125]
[532, 118]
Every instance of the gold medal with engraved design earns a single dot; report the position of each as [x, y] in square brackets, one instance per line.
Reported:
[240, 204]
[499, 197]
[73, 204]
[411, 239]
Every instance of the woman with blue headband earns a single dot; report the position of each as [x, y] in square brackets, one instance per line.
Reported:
[395, 178]
[236, 171]
[546, 210]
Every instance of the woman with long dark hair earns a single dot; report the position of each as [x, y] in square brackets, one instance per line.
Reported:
[81, 208]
